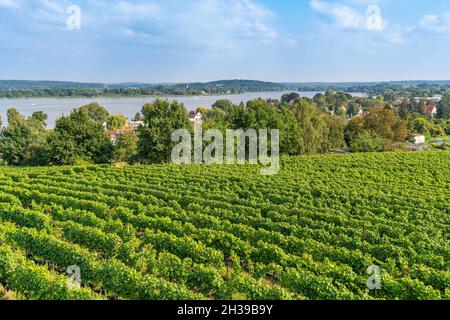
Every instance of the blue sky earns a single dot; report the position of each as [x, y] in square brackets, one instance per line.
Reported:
[203, 40]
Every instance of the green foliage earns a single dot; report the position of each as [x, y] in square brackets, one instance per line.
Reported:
[367, 141]
[78, 137]
[334, 135]
[312, 125]
[14, 143]
[381, 121]
[161, 119]
[95, 112]
[308, 233]
[429, 128]
[222, 104]
[14, 117]
[444, 107]
[116, 122]
[21, 143]
[40, 116]
[126, 148]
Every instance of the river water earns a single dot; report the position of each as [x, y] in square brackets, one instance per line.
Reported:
[128, 106]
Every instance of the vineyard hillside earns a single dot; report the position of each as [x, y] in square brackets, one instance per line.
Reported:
[226, 232]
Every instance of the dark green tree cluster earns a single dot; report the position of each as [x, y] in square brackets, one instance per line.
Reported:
[77, 137]
[22, 140]
[443, 108]
[161, 118]
[116, 122]
[307, 126]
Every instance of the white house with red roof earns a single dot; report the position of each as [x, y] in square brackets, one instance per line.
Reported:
[195, 116]
[431, 110]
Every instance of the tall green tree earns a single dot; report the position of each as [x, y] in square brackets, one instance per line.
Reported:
[260, 114]
[14, 143]
[116, 122]
[215, 118]
[291, 139]
[222, 104]
[368, 141]
[78, 137]
[14, 117]
[21, 143]
[95, 112]
[40, 116]
[161, 119]
[334, 133]
[312, 125]
[444, 107]
[126, 148]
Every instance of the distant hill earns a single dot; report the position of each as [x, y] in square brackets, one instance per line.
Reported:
[363, 86]
[42, 84]
[36, 85]
[235, 85]
[26, 88]
[21, 88]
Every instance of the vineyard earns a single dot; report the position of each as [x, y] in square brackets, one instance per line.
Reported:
[226, 232]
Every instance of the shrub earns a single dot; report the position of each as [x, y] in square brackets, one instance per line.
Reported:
[367, 141]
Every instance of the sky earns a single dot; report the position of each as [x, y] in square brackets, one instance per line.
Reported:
[168, 41]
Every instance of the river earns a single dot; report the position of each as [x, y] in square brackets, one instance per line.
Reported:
[128, 106]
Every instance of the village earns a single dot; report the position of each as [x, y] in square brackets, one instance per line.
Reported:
[415, 142]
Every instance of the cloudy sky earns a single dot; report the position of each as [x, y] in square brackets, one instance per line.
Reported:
[203, 40]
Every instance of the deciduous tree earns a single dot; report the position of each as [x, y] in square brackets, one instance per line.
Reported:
[444, 107]
[78, 137]
[161, 119]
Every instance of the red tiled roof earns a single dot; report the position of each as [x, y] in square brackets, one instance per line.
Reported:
[429, 109]
[118, 132]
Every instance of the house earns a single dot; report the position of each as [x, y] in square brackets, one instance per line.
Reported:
[115, 134]
[135, 124]
[431, 110]
[436, 98]
[130, 127]
[195, 116]
[418, 139]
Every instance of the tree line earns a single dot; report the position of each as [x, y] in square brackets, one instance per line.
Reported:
[307, 126]
[390, 91]
[23, 89]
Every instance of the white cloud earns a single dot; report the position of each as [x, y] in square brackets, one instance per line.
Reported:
[202, 24]
[47, 13]
[10, 3]
[434, 23]
[225, 21]
[137, 11]
[348, 18]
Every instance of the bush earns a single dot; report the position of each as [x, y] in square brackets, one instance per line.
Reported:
[367, 141]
